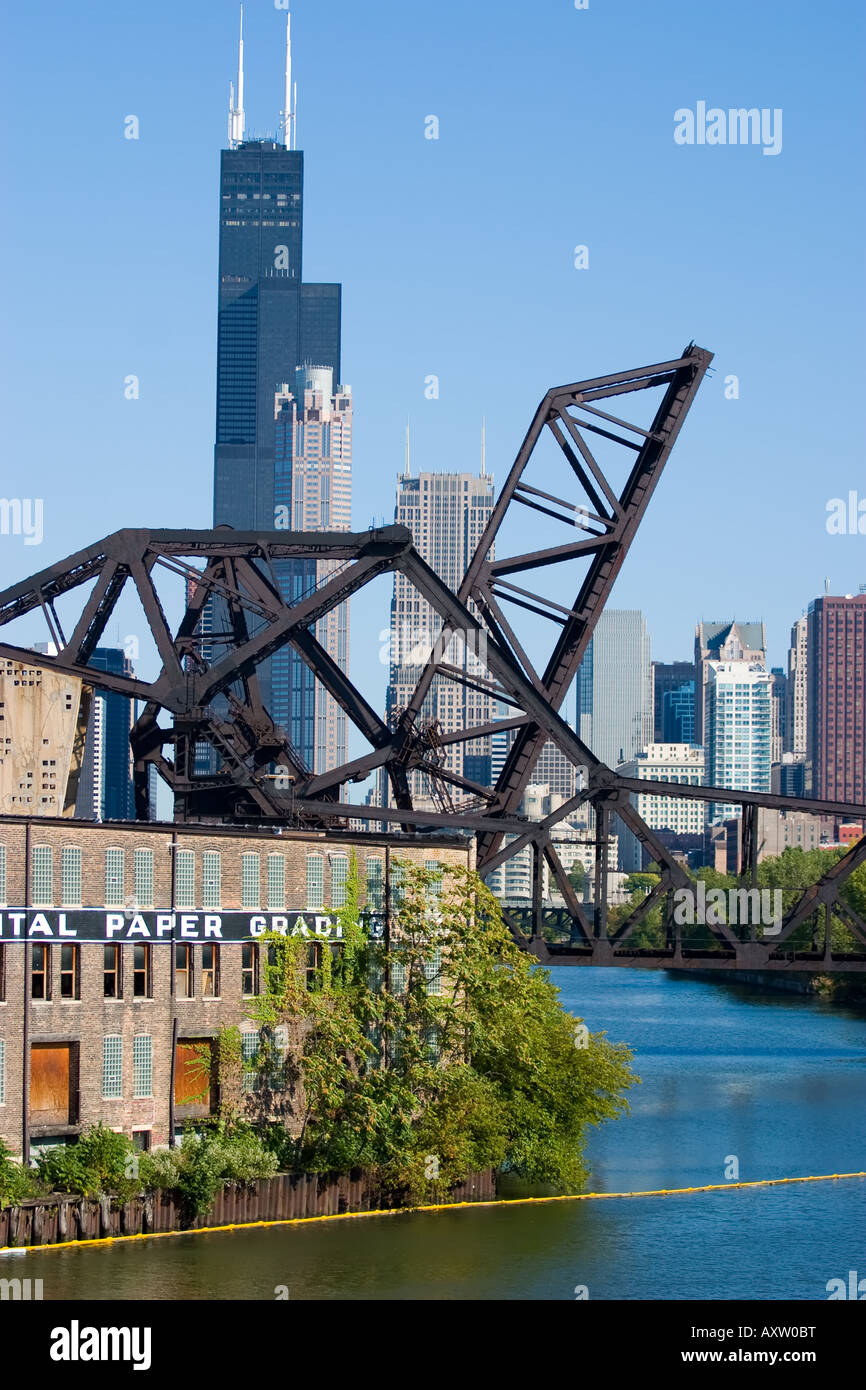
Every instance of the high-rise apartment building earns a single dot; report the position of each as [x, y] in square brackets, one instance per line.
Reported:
[726, 642]
[447, 514]
[836, 664]
[797, 729]
[737, 729]
[312, 492]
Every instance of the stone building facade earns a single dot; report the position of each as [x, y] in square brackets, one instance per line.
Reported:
[141, 945]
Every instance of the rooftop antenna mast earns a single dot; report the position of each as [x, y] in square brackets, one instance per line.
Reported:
[408, 451]
[236, 113]
[483, 447]
[290, 100]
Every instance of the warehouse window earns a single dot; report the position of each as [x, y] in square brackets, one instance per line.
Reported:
[42, 876]
[183, 971]
[434, 888]
[249, 969]
[70, 972]
[141, 972]
[114, 878]
[210, 971]
[315, 880]
[276, 882]
[40, 973]
[112, 986]
[433, 972]
[143, 869]
[249, 1052]
[142, 1066]
[70, 876]
[375, 884]
[112, 1067]
[339, 877]
[211, 878]
[251, 891]
[184, 887]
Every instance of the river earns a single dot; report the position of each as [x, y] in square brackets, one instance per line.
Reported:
[775, 1081]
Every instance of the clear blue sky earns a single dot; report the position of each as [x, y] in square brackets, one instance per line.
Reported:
[456, 258]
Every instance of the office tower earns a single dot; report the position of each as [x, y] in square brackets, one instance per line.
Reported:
[724, 642]
[312, 492]
[836, 665]
[673, 701]
[798, 690]
[683, 819]
[737, 729]
[778, 713]
[105, 789]
[270, 322]
[615, 687]
[447, 514]
[788, 777]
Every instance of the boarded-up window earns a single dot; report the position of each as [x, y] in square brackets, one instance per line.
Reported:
[193, 1071]
[49, 1079]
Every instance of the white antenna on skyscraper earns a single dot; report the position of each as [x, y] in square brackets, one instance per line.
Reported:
[287, 98]
[290, 97]
[408, 451]
[483, 447]
[236, 113]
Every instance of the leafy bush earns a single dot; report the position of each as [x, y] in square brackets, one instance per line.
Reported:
[16, 1181]
[99, 1162]
[203, 1163]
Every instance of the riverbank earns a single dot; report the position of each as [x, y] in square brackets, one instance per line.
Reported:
[848, 988]
[66, 1217]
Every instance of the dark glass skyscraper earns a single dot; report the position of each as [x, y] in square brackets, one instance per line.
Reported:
[270, 322]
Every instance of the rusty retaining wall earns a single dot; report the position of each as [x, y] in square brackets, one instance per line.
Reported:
[50, 1220]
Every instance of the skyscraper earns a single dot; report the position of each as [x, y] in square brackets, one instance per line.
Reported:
[737, 729]
[798, 690]
[836, 665]
[729, 641]
[447, 514]
[105, 788]
[614, 698]
[778, 713]
[673, 701]
[270, 324]
[313, 492]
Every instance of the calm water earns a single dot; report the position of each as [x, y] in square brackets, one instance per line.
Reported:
[779, 1082]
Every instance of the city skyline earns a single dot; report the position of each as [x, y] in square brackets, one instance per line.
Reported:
[161, 435]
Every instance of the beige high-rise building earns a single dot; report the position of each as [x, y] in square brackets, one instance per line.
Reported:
[312, 492]
[43, 719]
[447, 514]
[798, 690]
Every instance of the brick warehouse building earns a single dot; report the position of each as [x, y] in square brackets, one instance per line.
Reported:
[142, 945]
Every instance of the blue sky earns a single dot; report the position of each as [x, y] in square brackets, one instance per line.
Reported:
[456, 257]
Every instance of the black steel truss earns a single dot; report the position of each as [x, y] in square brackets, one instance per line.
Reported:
[208, 683]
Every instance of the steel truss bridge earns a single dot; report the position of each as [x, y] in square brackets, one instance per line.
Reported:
[605, 469]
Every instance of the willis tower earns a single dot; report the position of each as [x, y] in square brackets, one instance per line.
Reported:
[270, 322]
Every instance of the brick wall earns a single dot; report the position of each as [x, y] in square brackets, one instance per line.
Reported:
[85, 1021]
